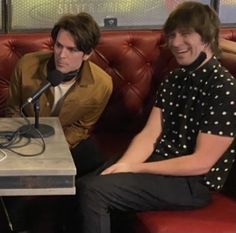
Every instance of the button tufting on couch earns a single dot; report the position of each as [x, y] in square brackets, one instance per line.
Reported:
[137, 62]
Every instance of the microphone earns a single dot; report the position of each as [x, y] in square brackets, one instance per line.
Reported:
[54, 78]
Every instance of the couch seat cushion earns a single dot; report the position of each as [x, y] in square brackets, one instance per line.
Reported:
[218, 217]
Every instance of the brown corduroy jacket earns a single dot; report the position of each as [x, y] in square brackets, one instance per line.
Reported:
[82, 105]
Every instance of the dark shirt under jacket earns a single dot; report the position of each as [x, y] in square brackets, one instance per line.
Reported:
[203, 100]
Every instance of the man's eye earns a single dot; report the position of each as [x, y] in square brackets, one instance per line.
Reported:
[58, 45]
[74, 50]
[170, 36]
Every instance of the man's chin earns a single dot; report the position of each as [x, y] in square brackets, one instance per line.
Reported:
[183, 62]
[61, 70]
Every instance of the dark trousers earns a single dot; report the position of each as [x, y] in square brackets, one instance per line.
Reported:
[87, 157]
[99, 196]
[49, 214]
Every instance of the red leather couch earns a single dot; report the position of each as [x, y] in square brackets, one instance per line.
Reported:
[137, 62]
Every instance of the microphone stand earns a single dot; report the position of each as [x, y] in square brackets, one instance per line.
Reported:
[36, 113]
[32, 130]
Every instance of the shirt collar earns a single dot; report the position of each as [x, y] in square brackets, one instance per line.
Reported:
[203, 73]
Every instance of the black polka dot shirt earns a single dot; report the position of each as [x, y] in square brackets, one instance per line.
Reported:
[203, 100]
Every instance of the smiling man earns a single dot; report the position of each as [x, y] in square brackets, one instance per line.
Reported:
[187, 146]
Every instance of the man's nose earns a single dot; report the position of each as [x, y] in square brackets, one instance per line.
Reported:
[62, 52]
[177, 40]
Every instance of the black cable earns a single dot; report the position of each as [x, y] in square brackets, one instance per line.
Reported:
[13, 138]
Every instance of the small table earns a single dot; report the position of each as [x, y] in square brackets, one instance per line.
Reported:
[51, 173]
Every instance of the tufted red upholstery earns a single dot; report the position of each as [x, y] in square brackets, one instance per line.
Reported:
[137, 62]
[12, 47]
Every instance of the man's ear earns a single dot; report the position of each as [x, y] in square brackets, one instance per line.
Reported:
[87, 56]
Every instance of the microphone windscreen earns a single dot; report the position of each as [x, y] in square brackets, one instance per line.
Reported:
[55, 77]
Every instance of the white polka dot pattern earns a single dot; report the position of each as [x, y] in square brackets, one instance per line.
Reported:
[200, 101]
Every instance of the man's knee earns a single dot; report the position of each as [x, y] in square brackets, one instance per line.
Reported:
[95, 188]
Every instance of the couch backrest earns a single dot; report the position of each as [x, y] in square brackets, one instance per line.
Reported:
[12, 47]
[137, 61]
